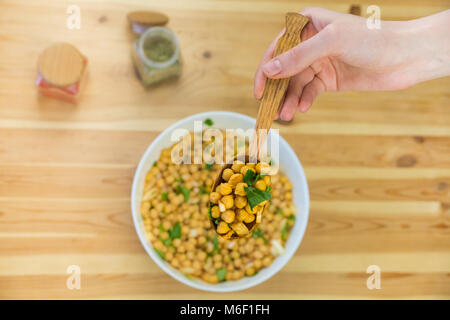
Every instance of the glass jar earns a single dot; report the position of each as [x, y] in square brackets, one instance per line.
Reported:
[61, 72]
[156, 55]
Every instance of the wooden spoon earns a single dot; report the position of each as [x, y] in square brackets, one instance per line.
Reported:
[274, 92]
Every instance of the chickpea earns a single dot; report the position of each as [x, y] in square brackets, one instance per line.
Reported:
[201, 240]
[214, 197]
[168, 256]
[250, 271]
[227, 173]
[164, 235]
[145, 207]
[262, 167]
[250, 165]
[249, 218]
[261, 185]
[215, 212]
[237, 262]
[201, 255]
[235, 179]
[237, 165]
[223, 227]
[239, 228]
[250, 210]
[267, 181]
[237, 275]
[258, 254]
[175, 263]
[240, 202]
[245, 168]
[225, 188]
[176, 242]
[267, 261]
[228, 216]
[288, 196]
[227, 201]
[240, 191]
[257, 263]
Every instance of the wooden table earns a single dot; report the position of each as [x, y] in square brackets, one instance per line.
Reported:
[378, 164]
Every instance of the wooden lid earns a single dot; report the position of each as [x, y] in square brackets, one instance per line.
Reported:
[148, 18]
[61, 64]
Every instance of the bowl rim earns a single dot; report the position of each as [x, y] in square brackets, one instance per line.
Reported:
[230, 286]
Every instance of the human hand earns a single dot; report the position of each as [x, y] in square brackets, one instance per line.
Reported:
[339, 52]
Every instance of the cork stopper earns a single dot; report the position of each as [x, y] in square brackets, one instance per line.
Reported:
[147, 18]
[61, 64]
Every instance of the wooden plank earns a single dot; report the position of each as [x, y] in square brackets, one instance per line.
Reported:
[119, 147]
[132, 286]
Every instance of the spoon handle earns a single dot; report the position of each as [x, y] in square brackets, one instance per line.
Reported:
[275, 89]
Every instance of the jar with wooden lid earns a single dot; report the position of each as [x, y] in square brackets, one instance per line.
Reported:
[156, 55]
[61, 71]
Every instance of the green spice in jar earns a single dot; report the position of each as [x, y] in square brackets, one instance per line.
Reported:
[159, 49]
[156, 55]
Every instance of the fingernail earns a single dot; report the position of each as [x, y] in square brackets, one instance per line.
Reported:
[272, 68]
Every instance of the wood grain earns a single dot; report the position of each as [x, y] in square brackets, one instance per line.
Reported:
[378, 163]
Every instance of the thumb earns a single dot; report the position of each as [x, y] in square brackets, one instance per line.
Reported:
[301, 56]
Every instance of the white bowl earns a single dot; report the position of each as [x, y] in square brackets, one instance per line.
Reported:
[289, 164]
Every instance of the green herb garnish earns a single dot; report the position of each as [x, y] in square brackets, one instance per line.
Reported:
[208, 166]
[279, 211]
[204, 190]
[175, 232]
[208, 122]
[216, 245]
[185, 191]
[256, 196]
[221, 273]
[154, 163]
[166, 242]
[209, 213]
[249, 177]
[258, 233]
[284, 233]
[160, 227]
[160, 253]
[164, 196]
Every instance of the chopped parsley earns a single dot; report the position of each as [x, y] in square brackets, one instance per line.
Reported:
[208, 166]
[185, 191]
[258, 233]
[160, 253]
[208, 122]
[249, 177]
[256, 196]
[204, 190]
[284, 232]
[216, 245]
[175, 232]
[164, 196]
[221, 273]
